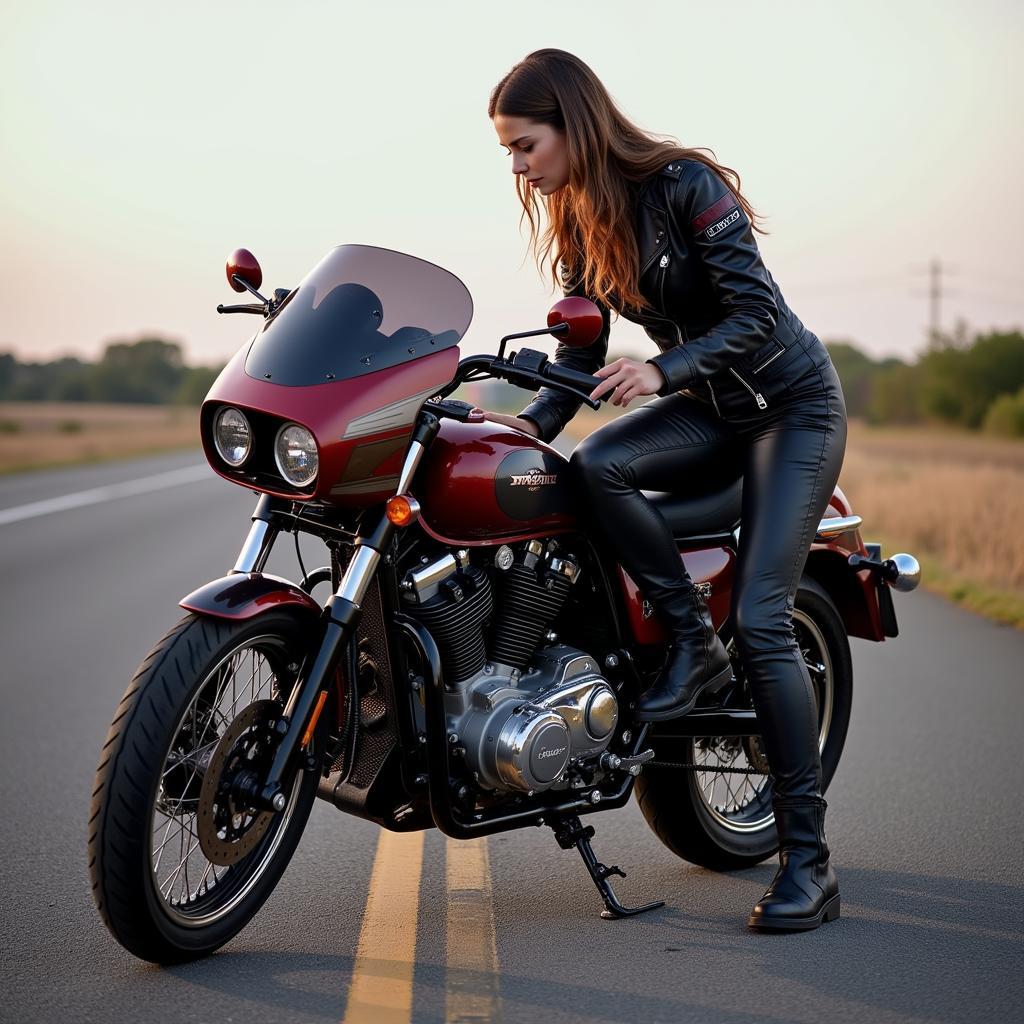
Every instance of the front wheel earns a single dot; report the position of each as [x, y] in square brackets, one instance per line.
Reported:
[723, 819]
[179, 861]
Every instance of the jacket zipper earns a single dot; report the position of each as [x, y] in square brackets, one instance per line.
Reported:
[654, 256]
[758, 397]
[663, 263]
[770, 359]
[711, 392]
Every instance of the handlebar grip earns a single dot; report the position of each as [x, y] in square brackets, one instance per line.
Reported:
[574, 378]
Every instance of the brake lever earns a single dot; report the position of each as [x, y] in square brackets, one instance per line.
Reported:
[594, 403]
[250, 307]
[269, 306]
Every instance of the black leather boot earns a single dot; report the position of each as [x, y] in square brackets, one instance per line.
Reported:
[697, 662]
[805, 890]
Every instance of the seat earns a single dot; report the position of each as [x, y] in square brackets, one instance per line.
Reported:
[714, 514]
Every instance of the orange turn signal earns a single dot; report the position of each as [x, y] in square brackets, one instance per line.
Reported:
[401, 509]
[308, 734]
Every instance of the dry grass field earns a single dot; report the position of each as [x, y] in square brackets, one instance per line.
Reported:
[36, 435]
[952, 499]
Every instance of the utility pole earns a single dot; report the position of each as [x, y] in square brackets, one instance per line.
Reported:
[936, 271]
[934, 300]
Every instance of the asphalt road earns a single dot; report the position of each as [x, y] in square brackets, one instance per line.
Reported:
[924, 823]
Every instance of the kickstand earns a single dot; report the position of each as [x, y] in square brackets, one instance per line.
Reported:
[570, 832]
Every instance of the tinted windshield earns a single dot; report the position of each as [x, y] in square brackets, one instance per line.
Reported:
[360, 309]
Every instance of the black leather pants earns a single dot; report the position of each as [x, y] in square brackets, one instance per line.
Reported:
[790, 456]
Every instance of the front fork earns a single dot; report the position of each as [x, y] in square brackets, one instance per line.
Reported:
[341, 616]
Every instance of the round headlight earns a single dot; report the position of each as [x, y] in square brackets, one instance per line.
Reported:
[232, 436]
[296, 455]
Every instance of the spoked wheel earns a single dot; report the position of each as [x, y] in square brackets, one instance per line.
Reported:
[721, 818]
[180, 858]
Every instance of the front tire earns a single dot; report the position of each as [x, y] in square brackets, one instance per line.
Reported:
[152, 823]
[724, 821]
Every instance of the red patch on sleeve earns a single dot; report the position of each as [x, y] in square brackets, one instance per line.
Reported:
[713, 213]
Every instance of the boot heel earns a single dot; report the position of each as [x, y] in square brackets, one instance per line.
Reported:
[832, 910]
[718, 682]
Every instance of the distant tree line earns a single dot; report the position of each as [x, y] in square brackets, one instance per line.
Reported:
[976, 383]
[149, 371]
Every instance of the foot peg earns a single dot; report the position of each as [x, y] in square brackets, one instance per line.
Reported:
[572, 832]
[633, 765]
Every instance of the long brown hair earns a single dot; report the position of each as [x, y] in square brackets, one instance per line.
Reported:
[590, 227]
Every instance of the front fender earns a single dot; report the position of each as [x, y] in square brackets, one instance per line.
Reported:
[242, 595]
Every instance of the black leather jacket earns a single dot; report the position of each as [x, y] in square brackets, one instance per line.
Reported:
[725, 332]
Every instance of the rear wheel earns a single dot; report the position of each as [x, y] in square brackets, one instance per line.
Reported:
[721, 819]
[180, 861]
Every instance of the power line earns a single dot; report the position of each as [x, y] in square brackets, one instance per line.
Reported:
[995, 277]
[938, 291]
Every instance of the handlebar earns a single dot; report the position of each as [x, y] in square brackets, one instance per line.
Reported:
[574, 378]
[527, 368]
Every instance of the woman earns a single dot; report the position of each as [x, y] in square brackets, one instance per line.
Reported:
[661, 234]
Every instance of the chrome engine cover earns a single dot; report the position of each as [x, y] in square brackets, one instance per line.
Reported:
[520, 731]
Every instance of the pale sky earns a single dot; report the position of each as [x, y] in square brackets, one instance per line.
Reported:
[140, 143]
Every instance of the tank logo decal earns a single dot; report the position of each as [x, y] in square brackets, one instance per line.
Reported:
[530, 483]
[533, 479]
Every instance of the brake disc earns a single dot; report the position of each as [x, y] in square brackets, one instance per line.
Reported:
[227, 827]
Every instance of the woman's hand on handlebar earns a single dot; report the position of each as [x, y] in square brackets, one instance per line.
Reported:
[527, 426]
[630, 378]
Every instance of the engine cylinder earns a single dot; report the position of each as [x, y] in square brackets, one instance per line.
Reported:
[533, 594]
[454, 615]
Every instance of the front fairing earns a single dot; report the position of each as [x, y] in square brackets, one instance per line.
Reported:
[351, 355]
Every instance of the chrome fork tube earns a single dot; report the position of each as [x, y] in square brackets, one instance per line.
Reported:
[358, 575]
[256, 549]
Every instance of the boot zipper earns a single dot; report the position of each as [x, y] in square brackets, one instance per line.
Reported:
[758, 397]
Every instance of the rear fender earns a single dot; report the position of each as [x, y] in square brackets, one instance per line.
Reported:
[856, 593]
[242, 595]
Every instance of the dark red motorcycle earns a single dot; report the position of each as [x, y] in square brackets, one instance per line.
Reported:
[476, 664]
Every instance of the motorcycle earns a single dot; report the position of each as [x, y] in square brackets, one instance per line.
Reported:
[477, 664]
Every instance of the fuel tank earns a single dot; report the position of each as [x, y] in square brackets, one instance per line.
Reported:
[484, 482]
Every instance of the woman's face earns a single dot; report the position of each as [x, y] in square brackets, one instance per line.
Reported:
[538, 152]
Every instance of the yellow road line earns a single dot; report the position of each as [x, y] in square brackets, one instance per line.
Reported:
[472, 991]
[381, 989]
